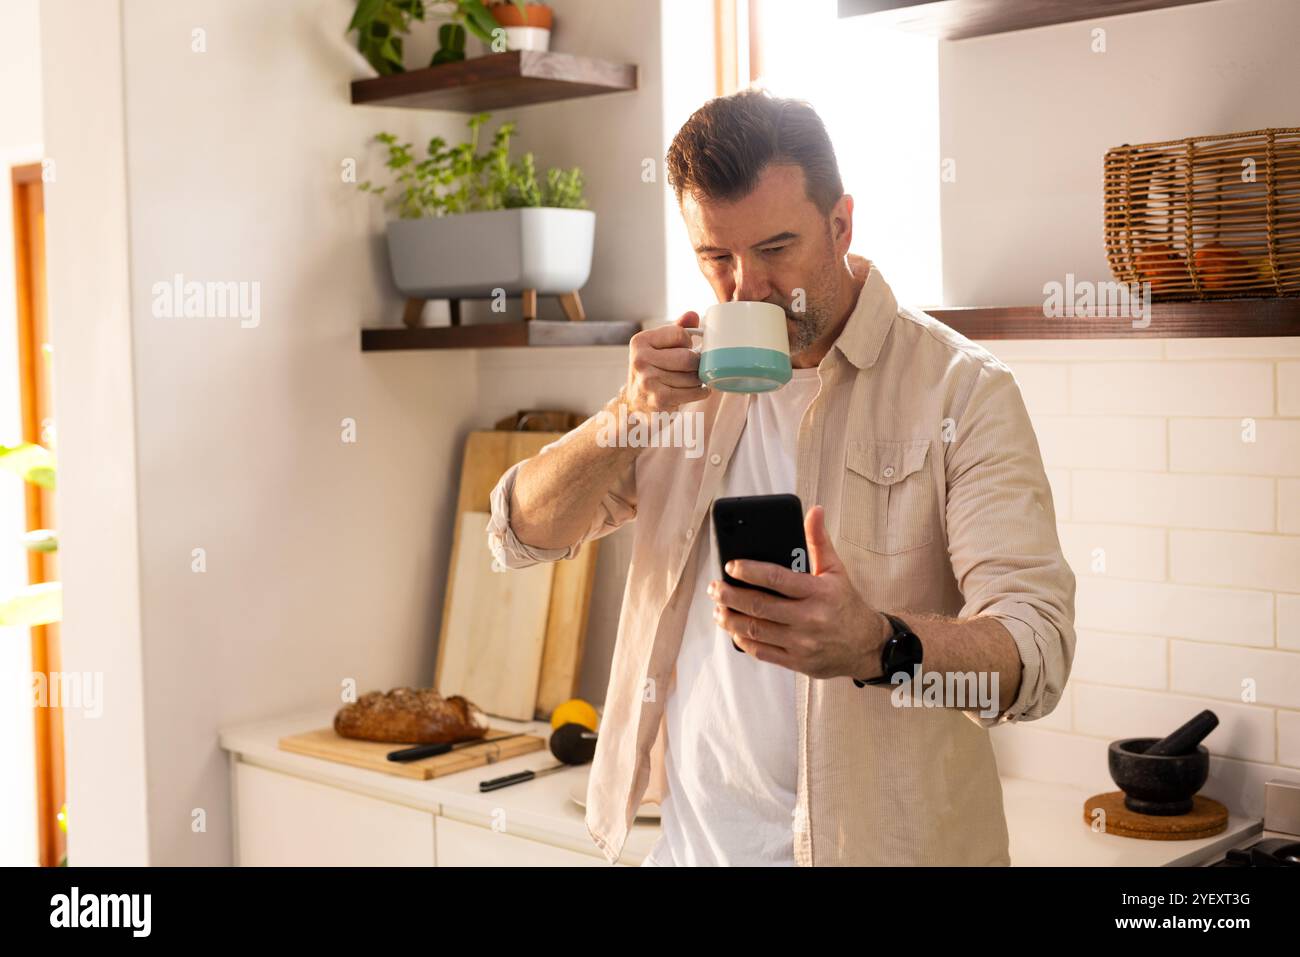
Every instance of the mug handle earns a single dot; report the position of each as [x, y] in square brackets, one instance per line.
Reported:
[698, 331]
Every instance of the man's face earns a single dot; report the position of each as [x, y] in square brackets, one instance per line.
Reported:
[774, 245]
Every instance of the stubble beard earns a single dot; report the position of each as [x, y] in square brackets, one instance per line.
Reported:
[812, 324]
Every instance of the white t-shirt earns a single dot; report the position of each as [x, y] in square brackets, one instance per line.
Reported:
[731, 756]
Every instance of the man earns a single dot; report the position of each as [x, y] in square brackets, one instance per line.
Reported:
[926, 500]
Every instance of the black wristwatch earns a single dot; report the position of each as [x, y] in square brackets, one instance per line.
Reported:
[902, 652]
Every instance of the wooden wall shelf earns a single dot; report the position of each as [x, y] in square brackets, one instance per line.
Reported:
[962, 19]
[1212, 319]
[486, 83]
[494, 335]
[1215, 318]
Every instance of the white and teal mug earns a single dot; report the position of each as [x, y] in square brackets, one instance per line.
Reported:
[746, 347]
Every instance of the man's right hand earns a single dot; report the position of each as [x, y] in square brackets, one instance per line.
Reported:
[662, 368]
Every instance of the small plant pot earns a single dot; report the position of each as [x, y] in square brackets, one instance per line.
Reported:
[527, 38]
[471, 255]
[531, 32]
[538, 15]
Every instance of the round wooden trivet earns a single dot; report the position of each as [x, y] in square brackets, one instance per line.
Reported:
[1206, 818]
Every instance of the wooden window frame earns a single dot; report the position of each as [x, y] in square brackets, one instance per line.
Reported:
[737, 47]
[28, 194]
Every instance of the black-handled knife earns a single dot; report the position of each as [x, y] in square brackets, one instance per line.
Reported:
[431, 750]
[519, 777]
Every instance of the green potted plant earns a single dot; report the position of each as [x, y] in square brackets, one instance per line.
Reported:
[380, 26]
[522, 25]
[464, 15]
[470, 223]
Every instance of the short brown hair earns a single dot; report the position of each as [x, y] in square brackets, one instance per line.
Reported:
[720, 152]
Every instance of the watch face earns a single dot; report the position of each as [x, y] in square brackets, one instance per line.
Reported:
[904, 654]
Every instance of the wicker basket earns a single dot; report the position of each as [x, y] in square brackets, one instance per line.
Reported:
[1207, 217]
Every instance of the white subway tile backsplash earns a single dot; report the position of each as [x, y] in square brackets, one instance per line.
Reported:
[1220, 446]
[1175, 470]
[1218, 671]
[1288, 738]
[1244, 347]
[1288, 388]
[1288, 506]
[1159, 498]
[1136, 443]
[1117, 551]
[1239, 785]
[1025, 750]
[1045, 388]
[1235, 559]
[1227, 388]
[1244, 731]
[1059, 480]
[1073, 350]
[1175, 611]
[1288, 622]
[1127, 661]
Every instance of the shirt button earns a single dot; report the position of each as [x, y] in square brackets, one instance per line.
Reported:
[715, 459]
[889, 471]
[690, 533]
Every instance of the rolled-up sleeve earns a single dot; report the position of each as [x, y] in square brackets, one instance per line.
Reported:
[1002, 539]
[616, 509]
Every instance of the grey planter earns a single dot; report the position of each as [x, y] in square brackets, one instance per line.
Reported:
[472, 254]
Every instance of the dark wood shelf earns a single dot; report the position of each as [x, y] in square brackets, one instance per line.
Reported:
[962, 19]
[495, 335]
[486, 83]
[1209, 319]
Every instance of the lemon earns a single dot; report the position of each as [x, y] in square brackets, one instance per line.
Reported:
[577, 711]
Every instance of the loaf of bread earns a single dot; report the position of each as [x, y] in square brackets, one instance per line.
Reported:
[410, 716]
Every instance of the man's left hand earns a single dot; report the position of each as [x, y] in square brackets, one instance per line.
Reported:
[821, 627]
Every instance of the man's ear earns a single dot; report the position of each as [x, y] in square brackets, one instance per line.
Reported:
[842, 225]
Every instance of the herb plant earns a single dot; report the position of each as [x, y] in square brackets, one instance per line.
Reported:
[460, 179]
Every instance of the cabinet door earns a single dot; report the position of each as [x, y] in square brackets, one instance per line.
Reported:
[288, 821]
[468, 845]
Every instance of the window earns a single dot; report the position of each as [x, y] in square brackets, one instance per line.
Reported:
[877, 90]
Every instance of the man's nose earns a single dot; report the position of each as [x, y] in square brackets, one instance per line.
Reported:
[751, 284]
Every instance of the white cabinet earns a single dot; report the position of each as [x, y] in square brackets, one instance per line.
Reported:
[293, 810]
[468, 845]
[288, 821]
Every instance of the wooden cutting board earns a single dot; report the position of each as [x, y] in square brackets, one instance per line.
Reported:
[491, 649]
[326, 743]
[487, 456]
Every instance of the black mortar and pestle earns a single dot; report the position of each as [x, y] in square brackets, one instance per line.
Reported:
[1160, 776]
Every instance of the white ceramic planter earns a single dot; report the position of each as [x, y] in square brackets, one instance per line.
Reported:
[472, 254]
[527, 38]
[517, 38]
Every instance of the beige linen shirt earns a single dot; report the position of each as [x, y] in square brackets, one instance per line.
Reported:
[919, 448]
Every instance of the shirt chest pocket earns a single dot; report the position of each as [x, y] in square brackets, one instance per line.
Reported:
[888, 497]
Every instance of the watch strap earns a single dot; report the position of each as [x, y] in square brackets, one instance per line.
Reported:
[900, 629]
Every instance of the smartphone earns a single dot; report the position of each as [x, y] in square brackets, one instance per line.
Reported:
[762, 528]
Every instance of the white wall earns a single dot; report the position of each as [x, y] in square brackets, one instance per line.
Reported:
[1028, 117]
[94, 398]
[324, 561]
[20, 143]
[1200, 590]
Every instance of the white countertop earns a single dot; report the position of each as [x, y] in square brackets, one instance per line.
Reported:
[1045, 821]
